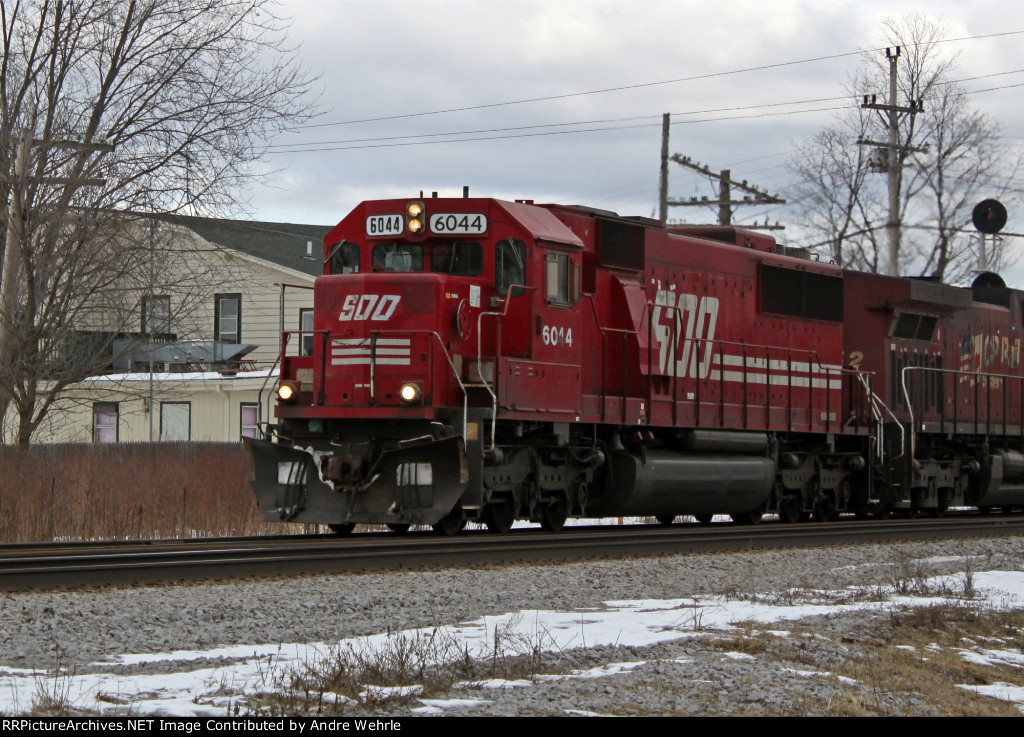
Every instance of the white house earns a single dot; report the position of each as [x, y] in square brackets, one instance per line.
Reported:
[209, 374]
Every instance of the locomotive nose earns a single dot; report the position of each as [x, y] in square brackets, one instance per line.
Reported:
[389, 340]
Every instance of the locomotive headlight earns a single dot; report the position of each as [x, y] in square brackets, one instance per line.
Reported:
[286, 393]
[414, 217]
[409, 393]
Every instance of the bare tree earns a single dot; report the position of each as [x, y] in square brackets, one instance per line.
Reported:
[834, 193]
[949, 158]
[109, 107]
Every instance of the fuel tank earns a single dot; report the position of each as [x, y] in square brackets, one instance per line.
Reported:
[1001, 483]
[665, 482]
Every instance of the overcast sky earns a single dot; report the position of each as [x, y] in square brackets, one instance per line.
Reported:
[405, 59]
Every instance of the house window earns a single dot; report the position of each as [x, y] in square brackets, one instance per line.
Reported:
[227, 318]
[306, 338]
[156, 314]
[104, 422]
[250, 420]
[175, 420]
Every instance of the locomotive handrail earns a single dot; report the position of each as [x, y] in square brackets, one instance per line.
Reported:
[956, 372]
[280, 312]
[603, 372]
[497, 358]
[876, 402]
[259, 394]
[465, 394]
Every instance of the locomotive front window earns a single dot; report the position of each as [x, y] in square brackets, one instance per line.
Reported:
[457, 257]
[344, 258]
[397, 257]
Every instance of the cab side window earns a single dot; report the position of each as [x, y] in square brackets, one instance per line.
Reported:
[509, 266]
[563, 278]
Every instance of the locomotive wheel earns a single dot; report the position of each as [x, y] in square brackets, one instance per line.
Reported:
[703, 519]
[665, 519]
[747, 518]
[450, 525]
[399, 528]
[792, 510]
[554, 514]
[499, 516]
[343, 529]
[825, 509]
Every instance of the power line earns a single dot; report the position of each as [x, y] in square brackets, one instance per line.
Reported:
[641, 85]
[554, 125]
[548, 133]
[382, 141]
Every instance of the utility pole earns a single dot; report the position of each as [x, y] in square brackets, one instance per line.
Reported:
[725, 186]
[895, 153]
[663, 188]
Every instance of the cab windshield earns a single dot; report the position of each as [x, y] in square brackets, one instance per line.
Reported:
[460, 258]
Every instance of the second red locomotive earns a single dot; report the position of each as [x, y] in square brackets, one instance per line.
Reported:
[474, 359]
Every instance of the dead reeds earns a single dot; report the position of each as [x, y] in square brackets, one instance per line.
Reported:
[127, 491]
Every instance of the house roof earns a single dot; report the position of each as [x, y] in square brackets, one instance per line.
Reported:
[280, 243]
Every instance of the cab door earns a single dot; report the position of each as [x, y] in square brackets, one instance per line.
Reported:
[549, 381]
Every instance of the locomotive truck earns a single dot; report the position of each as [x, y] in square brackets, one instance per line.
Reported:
[474, 359]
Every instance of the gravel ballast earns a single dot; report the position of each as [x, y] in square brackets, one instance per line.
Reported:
[76, 629]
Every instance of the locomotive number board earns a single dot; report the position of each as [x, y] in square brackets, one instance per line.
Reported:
[378, 225]
[460, 223]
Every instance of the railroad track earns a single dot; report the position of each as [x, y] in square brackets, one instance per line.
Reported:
[76, 565]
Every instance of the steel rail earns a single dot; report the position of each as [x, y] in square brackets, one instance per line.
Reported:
[70, 565]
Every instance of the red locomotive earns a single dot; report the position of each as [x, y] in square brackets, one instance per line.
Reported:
[473, 359]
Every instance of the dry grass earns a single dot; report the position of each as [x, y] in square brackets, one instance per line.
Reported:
[399, 670]
[127, 491]
[920, 667]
